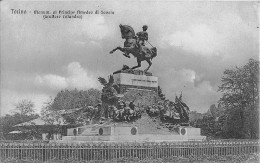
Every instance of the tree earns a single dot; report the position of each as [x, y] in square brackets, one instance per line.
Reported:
[24, 112]
[71, 99]
[24, 108]
[71, 104]
[52, 118]
[241, 97]
[49, 115]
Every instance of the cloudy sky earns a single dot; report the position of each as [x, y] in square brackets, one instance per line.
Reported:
[196, 41]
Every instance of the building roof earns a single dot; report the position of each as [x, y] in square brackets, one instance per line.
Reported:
[40, 122]
[15, 132]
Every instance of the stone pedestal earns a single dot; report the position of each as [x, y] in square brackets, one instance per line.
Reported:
[140, 88]
[136, 81]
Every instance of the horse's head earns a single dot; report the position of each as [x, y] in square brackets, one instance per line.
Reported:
[121, 28]
[126, 31]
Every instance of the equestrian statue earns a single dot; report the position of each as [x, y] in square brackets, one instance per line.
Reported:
[135, 44]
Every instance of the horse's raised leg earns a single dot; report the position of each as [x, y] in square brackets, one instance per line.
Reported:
[124, 50]
[117, 48]
[150, 64]
[139, 65]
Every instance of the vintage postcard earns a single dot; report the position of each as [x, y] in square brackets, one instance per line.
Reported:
[129, 80]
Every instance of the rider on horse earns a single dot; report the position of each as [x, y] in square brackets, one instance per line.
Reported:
[140, 40]
[142, 37]
[134, 44]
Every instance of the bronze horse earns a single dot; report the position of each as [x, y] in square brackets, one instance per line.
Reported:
[131, 46]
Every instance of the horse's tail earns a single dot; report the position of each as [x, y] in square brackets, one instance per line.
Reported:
[154, 52]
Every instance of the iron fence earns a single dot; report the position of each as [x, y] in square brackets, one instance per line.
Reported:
[44, 151]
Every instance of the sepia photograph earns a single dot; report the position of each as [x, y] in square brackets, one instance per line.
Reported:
[129, 81]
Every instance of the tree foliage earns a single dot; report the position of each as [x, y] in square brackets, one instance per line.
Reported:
[237, 115]
[70, 104]
[240, 87]
[24, 108]
[212, 127]
[52, 118]
[24, 112]
[50, 115]
[71, 99]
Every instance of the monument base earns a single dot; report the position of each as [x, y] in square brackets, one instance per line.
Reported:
[142, 91]
[134, 138]
[131, 134]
